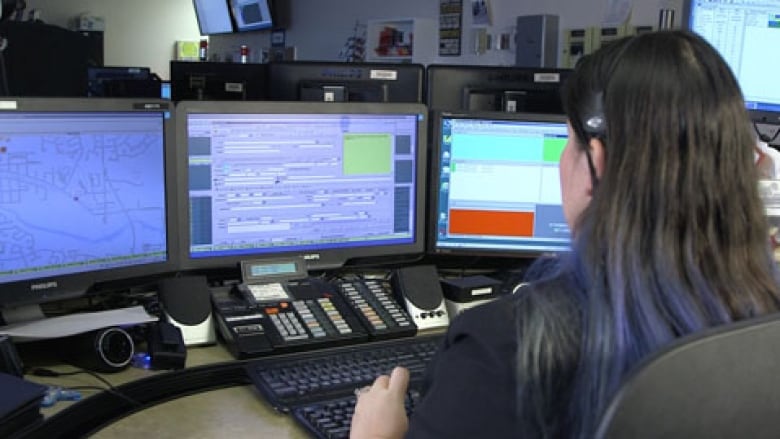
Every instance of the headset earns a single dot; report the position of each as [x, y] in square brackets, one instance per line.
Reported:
[594, 123]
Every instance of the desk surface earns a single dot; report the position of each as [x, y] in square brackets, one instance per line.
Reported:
[230, 412]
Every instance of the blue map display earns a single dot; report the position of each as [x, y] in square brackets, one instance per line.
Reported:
[81, 199]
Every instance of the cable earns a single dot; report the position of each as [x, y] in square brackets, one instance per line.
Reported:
[112, 391]
[42, 372]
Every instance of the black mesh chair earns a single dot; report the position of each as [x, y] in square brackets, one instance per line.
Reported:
[722, 383]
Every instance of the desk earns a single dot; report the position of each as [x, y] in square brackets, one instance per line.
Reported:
[229, 412]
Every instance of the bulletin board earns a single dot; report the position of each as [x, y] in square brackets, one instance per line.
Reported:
[450, 27]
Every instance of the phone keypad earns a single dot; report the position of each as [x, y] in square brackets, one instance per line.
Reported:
[373, 299]
[334, 316]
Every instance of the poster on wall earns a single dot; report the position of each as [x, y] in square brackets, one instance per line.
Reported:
[480, 13]
[450, 27]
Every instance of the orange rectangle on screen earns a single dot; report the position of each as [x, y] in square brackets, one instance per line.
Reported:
[491, 222]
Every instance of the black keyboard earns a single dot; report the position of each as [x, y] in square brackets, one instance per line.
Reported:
[331, 419]
[317, 387]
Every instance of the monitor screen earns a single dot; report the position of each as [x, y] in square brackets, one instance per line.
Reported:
[165, 89]
[213, 16]
[494, 184]
[220, 81]
[251, 14]
[742, 32]
[85, 188]
[493, 88]
[345, 82]
[333, 183]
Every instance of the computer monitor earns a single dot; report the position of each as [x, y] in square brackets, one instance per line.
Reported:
[494, 185]
[213, 17]
[101, 78]
[345, 82]
[251, 14]
[495, 88]
[743, 32]
[225, 81]
[226, 16]
[333, 183]
[86, 195]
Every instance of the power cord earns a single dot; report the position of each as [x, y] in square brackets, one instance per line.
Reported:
[43, 372]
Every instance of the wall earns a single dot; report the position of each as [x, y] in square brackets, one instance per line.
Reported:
[143, 32]
[138, 32]
[319, 28]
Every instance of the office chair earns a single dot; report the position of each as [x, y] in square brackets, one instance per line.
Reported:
[722, 383]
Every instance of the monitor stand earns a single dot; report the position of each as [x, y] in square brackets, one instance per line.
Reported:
[21, 314]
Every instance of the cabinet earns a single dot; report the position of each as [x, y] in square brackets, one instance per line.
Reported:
[401, 40]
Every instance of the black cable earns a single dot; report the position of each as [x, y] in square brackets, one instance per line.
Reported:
[112, 391]
[42, 372]
[88, 415]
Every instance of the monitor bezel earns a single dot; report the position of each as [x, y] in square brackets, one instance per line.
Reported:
[317, 260]
[285, 78]
[67, 286]
[252, 74]
[448, 83]
[437, 117]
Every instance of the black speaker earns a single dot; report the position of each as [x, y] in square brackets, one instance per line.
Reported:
[104, 350]
[186, 302]
[166, 346]
[419, 290]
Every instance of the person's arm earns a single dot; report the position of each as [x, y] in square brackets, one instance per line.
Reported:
[472, 387]
[380, 412]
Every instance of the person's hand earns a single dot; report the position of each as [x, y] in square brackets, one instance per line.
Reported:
[380, 412]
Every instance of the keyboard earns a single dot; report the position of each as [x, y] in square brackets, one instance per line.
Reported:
[317, 387]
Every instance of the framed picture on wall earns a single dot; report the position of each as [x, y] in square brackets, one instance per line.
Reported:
[480, 13]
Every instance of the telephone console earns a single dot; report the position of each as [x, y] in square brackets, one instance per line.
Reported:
[279, 309]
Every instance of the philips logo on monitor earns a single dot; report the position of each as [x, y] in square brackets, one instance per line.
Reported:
[44, 286]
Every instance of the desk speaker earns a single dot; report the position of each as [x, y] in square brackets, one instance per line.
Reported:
[104, 350]
[186, 303]
[419, 291]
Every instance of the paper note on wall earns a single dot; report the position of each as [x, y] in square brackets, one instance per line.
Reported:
[618, 12]
[187, 50]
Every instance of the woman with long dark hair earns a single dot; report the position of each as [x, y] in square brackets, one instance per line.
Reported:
[669, 237]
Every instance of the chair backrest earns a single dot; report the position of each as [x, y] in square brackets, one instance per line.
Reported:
[721, 383]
